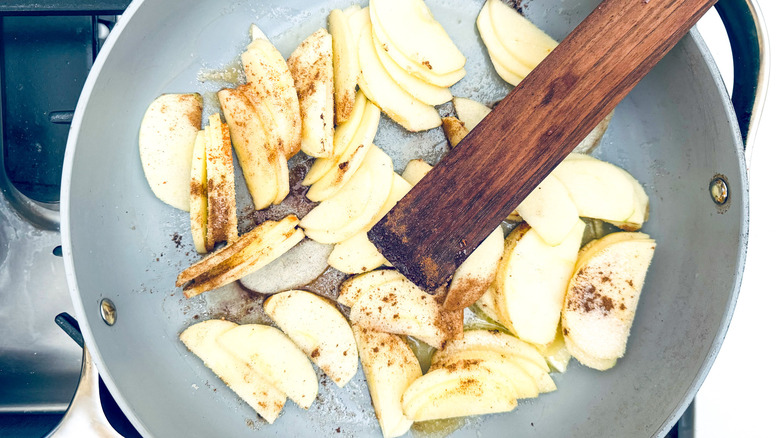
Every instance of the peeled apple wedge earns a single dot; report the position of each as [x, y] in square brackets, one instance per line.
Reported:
[601, 190]
[345, 64]
[526, 43]
[380, 88]
[351, 288]
[520, 383]
[252, 387]
[411, 27]
[198, 194]
[273, 355]
[415, 171]
[603, 295]
[222, 223]
[470, 112]
[476, 273]
[319, 329]
[311, 67]
[294, 269]
[353, 208]
[458, 393]
[390, 367]
[550, 211]
[262, 162]
[269, 77]
[531, 283]
[165, 142]
[496, 341]
[507, 66]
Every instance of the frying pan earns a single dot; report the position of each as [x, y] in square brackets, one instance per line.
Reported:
[677, 132]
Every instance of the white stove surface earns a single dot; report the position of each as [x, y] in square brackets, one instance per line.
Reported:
[738, 398]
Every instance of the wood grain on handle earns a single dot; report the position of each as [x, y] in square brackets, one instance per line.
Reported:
[446, 215]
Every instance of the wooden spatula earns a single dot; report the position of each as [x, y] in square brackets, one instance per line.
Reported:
[432, 230]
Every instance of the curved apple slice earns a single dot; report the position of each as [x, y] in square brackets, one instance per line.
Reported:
[198, 194]
[296, 268]
[469, 111]
[603, 295]
[381, 89]
[415, 171]
[521, 384]
[345, 64]
[508, 67]
[268, 75]
[165, 142]
[462, 392]
[317, 328]
[496, 341]
[555, 353]
[353, 208]
[412, 28]
[390, 367]
[476, 273]
[525, 42]
[424, 91]
[550, 211]
[350, 289]
[272, 354]
[260, 394]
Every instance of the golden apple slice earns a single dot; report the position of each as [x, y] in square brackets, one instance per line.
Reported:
[402, 308]
[601, 190]
[525, 42]
[507, 66]
[460, 392]
[412, 28]
[469, 111]
[270, 78]
[350, 289]
[532, 283]
[476, 273]
[262, 162]
[311, 66]
[165, 142]
[341, 217]
[222, 223]
[253, 388]
[356, 255]
[493, 340]
[342, 138]
[390, 367]
[488, 304]
[519, 383]
[345, 64]
[381, 89]
[317, 328]
[350, 160]
[603, 295]
[294, 269]
[550, 211]
[273, 355]
[424, 91]
[199, 212]
[415, 171]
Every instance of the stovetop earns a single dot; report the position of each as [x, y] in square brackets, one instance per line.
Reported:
[46, 51]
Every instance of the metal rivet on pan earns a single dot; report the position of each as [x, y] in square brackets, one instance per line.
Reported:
[719, 190]
[108, 311]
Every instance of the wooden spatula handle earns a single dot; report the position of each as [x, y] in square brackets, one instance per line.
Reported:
[447, 214]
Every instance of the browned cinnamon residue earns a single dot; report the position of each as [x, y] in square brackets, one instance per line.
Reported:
[427, 64]
[315, 353]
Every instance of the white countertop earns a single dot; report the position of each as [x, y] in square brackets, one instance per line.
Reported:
[738, 396]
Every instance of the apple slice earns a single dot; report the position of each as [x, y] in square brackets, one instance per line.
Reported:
[342, 138]
[269, 77]
[454, 130]
[249, 253]
[199, 212]
[469, 111]
[262, 162]
[493, 340]
[460, 392]
[350, 289]
[260, 394]
[165, 142]
[415, 171]
[488, 304]
[507, 66]
[222, 222]
[390, 367]
[317, 328]
[526, 43]
[273, 355]
[532, 281]
[424, 91]
[350, 160]
[601, 190]
[555, 353]
[345, 64]
[352, 209]
[294, 269]
[400, 307]
[603, 295]
[412, 28]
[476, 273]
[381, 89]
[311, 67]
[550, 211]
[520, 383]
[356, 255]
